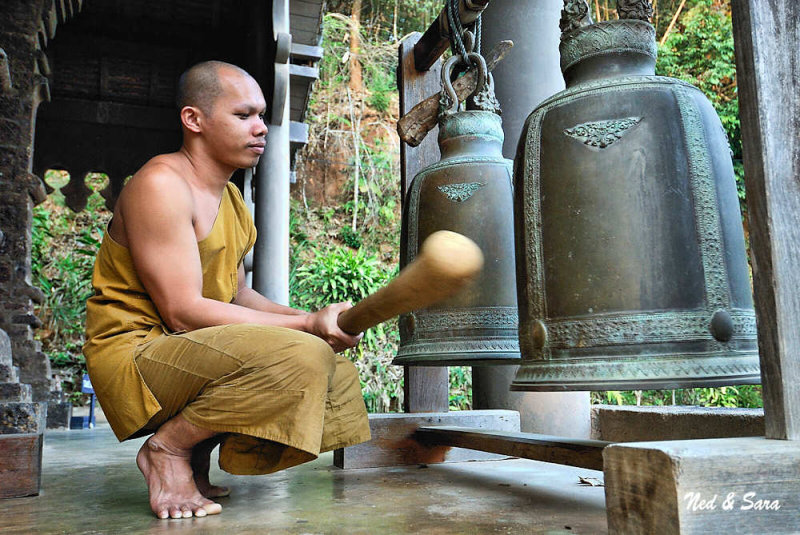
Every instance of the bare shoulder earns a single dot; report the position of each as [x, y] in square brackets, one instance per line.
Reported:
[156, 198]
[159, 183]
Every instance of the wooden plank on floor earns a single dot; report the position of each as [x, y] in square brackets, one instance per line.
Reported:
[582, 453]
[393, 442]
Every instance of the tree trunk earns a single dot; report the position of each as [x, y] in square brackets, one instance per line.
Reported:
[356, 83]
[394, 22]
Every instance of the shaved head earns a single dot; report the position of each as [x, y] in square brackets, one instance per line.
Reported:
[200, 85]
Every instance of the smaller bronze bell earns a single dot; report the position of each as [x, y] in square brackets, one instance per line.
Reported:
[469, 192]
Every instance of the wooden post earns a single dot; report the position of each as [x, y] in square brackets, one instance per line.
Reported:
[767, 39]
[426, 389]
[436, 38]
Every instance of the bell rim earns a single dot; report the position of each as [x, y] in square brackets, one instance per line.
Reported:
[664, 384]
[665, 372]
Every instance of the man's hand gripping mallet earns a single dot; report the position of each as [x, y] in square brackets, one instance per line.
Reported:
[447, 262]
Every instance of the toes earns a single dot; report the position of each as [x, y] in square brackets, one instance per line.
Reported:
[212, 508]
[188, 510]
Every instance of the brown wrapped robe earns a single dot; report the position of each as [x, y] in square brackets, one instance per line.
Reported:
[282, 394]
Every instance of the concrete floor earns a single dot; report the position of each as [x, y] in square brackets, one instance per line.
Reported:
[91, 485]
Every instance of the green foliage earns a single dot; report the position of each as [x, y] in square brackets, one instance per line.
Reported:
[746, 396]
[700, 51]
[460, 388]
[378, 16]
[337, 274]
[350, 237]
[382, 86]
[379, 191]
[64, 246]
[336, 43]
[378, 58]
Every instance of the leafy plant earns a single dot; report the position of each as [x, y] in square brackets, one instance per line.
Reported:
[700, 51]
[381, 86]
[339, 274]
[64, 246]
[460, 398]
[350, 237]
[745, 396]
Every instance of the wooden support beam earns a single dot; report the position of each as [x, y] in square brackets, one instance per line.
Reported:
[306, 52]
[570, 451]
[298, 133]
[425, 389]
[723, 485]
[436, 39]
[307, 74]
[422, 118]
[394, 441]
[21, 464]
[414, 87]
[109, 113]
[767, 39]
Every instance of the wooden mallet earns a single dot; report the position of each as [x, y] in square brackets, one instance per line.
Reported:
[447, 261]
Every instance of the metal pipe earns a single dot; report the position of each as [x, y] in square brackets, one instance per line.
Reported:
[436, 38]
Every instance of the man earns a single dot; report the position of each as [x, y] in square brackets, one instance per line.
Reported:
[179, 346]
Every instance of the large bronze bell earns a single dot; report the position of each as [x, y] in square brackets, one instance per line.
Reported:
[468, 191]
[632, 269]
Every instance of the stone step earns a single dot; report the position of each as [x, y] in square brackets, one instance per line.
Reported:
[9, 374]
[59, 414]
[22, 417]
[5, 349]
[15, 392]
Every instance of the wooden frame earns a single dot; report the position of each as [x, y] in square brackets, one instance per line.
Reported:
[739, 485]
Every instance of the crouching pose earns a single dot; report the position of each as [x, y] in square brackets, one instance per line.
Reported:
[178, 345]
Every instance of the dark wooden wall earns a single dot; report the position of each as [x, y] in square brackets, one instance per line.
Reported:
[112, 81]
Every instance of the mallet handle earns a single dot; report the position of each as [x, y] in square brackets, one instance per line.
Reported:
[447, 261]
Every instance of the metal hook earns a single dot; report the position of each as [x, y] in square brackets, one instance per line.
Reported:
[448, 102]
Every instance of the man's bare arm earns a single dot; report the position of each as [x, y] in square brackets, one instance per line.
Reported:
[247, 297]
[157, 209]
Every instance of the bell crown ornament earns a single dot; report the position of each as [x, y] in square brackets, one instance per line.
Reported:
[601, 49]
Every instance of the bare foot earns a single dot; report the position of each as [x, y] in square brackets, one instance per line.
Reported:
[168, 473]
[201, 462]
